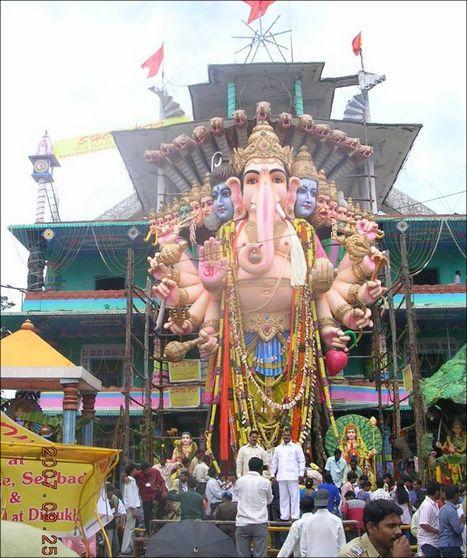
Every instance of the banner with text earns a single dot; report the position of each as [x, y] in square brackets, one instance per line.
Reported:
[54, 487]
[104, 140]
[184, 396]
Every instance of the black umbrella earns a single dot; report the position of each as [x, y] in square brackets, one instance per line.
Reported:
[190, 538]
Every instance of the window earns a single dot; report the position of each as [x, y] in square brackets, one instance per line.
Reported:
[110, 283]
[109, 371]
[429, 276]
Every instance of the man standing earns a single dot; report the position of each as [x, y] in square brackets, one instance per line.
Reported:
[428, 528]
[333, 493]
[191, 503]
[292, 542]
[246, 452]
[200, 473]
[322, 532]
[451, 525]
[151, 487]
[337, 466]
[383, 537]
[132, 503]
[254, 494]
[288, 465]
[226, 511]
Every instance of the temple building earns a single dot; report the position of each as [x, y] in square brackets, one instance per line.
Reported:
[77, 289]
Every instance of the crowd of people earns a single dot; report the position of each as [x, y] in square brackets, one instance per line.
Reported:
[284, 487]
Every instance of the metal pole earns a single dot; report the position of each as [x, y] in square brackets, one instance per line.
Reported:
[128, 354]
[395, 378]
[379, 342]
[418, 406]
[147, 380]
[369, 163]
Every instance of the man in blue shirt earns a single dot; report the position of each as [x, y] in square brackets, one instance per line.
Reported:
[334, 495]
[450, 525]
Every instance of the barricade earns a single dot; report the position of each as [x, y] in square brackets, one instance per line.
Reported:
[140, 541]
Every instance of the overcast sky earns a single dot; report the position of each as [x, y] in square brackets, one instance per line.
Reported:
[73, 68]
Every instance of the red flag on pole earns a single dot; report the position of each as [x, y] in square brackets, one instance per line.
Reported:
[357, 44]
[258, 8]
[153, 63]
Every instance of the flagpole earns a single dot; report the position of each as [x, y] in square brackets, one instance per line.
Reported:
[163, 66]
[369, 163]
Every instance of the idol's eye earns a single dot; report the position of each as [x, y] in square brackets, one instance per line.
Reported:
[301, 190]
[215, 195]
[278, 178]
[251, 180]
[226, 193]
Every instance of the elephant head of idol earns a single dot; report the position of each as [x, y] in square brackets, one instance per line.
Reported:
[264, 166]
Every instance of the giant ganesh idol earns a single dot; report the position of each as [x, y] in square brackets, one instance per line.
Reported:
[265, 298]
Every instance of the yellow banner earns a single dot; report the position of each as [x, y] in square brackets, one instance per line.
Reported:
[54, 487]
[184, 371]
[184, 396]
[104, 140]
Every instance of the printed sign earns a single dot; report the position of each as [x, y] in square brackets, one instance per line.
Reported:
[184, 396]
[185, 371]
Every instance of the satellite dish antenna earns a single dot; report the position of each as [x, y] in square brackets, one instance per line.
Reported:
[402, 226]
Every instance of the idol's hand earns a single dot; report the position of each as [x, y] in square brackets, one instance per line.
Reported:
[322, 275]
[209, 344]
[370, 291]
[334, 338]
[212, 267]
[358, 319]
[184, 329]
[166, 290]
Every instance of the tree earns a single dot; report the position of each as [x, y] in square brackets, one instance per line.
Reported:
[5, 303]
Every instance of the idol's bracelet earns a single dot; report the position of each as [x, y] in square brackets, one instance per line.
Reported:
[342, 311]
[352, 294]
[359, 272]
[195, 322]
[327, 322]
[211, 323]
[183, 298]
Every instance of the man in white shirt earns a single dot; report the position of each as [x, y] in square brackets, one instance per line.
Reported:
[214, 491]
[254, 495]
[292, 542]
[428, 527]
[200, 473]
[132, 503]
[288, 465]
[380, 493]
[246, 452]
[337, 466]
[322, 532]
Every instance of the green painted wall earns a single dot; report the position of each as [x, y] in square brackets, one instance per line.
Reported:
[82, 273]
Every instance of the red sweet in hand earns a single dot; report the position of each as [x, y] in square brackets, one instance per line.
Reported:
[335, 361]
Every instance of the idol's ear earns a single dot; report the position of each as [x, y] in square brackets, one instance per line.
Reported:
[294, 185]
[237, 197]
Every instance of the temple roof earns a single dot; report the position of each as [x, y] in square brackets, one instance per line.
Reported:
[26, 348]
[29, 362]
[273, 82]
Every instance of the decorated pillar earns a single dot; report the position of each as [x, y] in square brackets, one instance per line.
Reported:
[230, 99]
[88, 413]
[70, 408]
[298, 97]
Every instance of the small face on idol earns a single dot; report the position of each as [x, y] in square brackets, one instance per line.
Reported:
[306, 198]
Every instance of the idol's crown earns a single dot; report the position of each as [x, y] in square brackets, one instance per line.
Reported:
[303, 166]
[263, 143]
